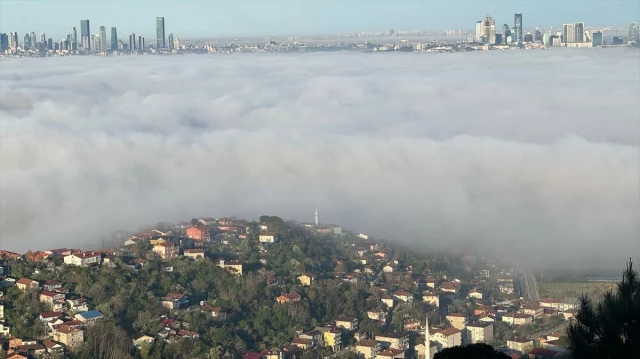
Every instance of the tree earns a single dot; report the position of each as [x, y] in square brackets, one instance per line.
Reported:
[194, 221]
[610, 328]
[472, 351]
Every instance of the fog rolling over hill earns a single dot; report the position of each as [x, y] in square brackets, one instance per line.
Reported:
[536, 152]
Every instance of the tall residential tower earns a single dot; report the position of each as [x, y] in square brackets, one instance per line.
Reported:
[85, 32]
[517, 28]
[160, 39]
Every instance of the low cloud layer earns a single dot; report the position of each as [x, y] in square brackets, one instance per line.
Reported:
[536, 151]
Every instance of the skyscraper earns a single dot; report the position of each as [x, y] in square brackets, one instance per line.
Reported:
[114, 39]
[634, 32]
[170, 41]
[517, 28]
[85, 31]
[103, 38]
[596, 38]
[141, 42]
[132, 42]
[50, 43]
[26, 42]
[43, 37]
[13, 40]
[73, 36]
[489, 30]
[33, 40]
[578, 29]
[160, 43]
[4, 42]
[568, 33]
[506, 32]
[479, 31]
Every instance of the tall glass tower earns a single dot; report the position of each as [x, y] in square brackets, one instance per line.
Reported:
[114, 39]
[517, 28]
[160, 43]
[170, 42]
[84, 31]
[103, 38]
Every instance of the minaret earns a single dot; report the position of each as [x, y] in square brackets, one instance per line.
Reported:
[316, 217]
[427, 343]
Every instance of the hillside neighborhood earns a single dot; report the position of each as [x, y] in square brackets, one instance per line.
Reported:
[227, 287]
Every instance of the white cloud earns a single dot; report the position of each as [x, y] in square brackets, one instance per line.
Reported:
[532, 149]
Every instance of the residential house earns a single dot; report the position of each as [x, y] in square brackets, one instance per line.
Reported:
[83, 259]
[411, 325]
[390, 268]
[542, 353]
[449, 337]
[368, 348]
[232, 266]
[393, 340]
[140, 338]
[559, 304]
[475, 294]
[388, 301]
[457, 320]
[391, 354]
[1, 311]
[376, 314]
[166, 250]
[16, 355]
[268, 237]
[183, 333]
[55, 300]
[534, 309]
[50, 316]
[478, 332]
[89, 317]
[71, 337]
[515, 318]
[404, 296]
[174, 301]
[52, 285]
[520, 344]
[348, 323]
[315, 335]
[216, 312]
[419, 348]
[303, 344]
[199, 234]
[431, 282]
[53, 347]
[25, 283]
[332, 338]
[5, 331]
[450, 287]
[36, 256]
[31, 350]
[196, 254]
[306, 279]
[292, 297]
[431, 298]
[77, 304]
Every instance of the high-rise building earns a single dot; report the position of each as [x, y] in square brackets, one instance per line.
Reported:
[114, 39]
[85, 43]
[505, 33]
[50, 43]
[170, 39]
[102, 33]
[85, 31]
[596, 38]
[568, 33]
[578, 28]
[489, 30]
[160, 39]
[13, 40]
[43, 37]
[176, 44]
[499, 39]
[96, 42]
[141, 42]
[537, 36]
[634, 32]
[26, 42]
[73, 36]
[132, 42]
[617, 40]
[33, 40]
[479, 31]
[4, 42]
[517, 28]
[528, 37]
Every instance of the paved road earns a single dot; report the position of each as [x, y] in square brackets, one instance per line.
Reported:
[533, 285]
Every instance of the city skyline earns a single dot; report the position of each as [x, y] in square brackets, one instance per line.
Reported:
[300, 17]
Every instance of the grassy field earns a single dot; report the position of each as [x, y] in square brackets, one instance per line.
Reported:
[574, 290]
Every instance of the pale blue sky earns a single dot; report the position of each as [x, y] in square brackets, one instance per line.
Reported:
[190, 19]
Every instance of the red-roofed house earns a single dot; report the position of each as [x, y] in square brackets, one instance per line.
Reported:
[26, 283]
[449, 337]
[198, 234]
[289, 298]
[541, 353]
[56, 300]
[83, 259]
